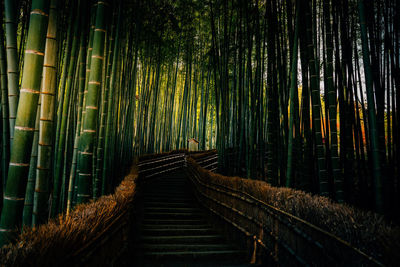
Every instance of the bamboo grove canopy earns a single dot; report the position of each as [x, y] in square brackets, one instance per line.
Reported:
[299, 93]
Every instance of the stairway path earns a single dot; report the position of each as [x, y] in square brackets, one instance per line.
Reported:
[175, 232]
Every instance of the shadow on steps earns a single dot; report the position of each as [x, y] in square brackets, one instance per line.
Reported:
[173, 229]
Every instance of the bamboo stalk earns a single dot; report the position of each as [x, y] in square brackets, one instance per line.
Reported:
[14, 194]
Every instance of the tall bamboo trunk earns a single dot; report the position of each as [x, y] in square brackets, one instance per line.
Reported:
[5, 138]
[336, 171]
[86, 141]
[14, 195]
[47, 108]
[371, 111]
[11, 23]
[293, 83]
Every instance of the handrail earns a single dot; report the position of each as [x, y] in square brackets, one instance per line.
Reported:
[304, 230]
[289, 240]
[206, 159]
[160, 166]
[85, 253]
[161, 159]
[146, 170]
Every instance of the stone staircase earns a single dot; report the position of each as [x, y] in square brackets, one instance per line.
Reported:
[174, 230]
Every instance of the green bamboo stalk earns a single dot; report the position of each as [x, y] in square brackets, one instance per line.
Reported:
[316, 107]
[293, 85]
[63, 71]
[82, 71]
[336, 171]
[63, 119]
[11, 214]
[86, 141]
[371, 111]
[88, 61]
[102, 115]
[107, 148]
[272, 135]
[5, 144]
[47, 109]
[30, 187]
[10, 17]
[68, 146]
[171, 119]
[85, 91]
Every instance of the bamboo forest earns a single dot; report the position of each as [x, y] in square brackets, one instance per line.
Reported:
[123, 121]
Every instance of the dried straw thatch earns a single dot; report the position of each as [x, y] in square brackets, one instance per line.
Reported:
[54, 243]
[365, 230]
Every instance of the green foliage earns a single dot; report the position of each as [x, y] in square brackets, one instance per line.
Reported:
[123, 78]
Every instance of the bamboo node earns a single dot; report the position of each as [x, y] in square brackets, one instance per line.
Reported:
[35, 52]
[83, 195]
[43, 144]
[49, 66]
[6, 230]
[40, 191]
[39, 12]
[47, 93]
[96, 83]
[14, 198]
[19, 164]
[92, 107]
[85, 174]
[101, 3]
[98, 57]
[22, 128]
[31, 91]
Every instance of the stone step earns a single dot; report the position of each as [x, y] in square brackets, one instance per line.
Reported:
[174, 230]
[172, 209]
[177, 232]
[175, 226]
[198, 221]
[169, 197]
[185, 247]
[171, 204]
[182, 239]
[152, 198]
[218, 254]
[170, 186]
[167, 194]
[172, 215]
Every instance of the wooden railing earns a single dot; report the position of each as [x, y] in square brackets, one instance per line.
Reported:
[161, 165]
[108, 247]
[272, 234]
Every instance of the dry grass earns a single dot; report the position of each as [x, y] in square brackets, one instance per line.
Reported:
[365, 230]
[51, 243]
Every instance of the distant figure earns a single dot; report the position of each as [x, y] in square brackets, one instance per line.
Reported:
[193, 144]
